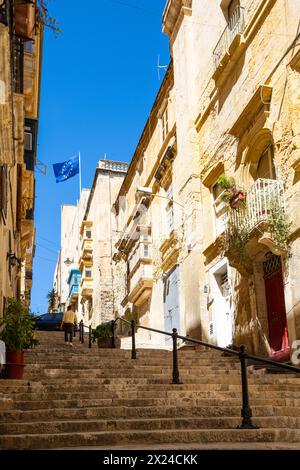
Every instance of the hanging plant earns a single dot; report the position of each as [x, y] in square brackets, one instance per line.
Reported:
[279, 224]
[232, 195]
[236, 235]
[43, 16]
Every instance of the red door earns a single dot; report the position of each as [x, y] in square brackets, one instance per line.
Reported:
[278, 333]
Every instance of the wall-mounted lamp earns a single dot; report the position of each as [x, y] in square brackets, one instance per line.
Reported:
[68, 262]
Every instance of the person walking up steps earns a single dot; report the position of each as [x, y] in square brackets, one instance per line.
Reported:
[68, 322]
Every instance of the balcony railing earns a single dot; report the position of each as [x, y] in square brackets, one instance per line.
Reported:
[110, 165]
[261, 197]
[235, 26]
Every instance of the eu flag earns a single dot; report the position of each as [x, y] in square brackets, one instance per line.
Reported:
[65, 170]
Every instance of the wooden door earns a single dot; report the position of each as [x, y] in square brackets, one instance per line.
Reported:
[278, 332]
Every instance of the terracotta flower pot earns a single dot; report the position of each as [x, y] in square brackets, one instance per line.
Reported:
[14, 364]
[237, 199]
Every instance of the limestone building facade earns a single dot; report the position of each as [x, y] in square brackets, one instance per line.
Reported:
[99, 283]
[214, 268]
[69, 253]
[21, 41]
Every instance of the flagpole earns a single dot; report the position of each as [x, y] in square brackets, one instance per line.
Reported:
[79, 175]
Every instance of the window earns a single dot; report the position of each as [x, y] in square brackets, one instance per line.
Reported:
[218, 209]
[28, 47]
[88, 234]
[30, 127]
[265, 167]
[169, 211]
[3, 191]
[88, 273]
[146, 251]
[28, 139]
[165, 124]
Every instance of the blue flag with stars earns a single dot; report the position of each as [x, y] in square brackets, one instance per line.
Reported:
[65, 170]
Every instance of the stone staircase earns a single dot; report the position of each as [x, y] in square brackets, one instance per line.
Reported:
[82, 398]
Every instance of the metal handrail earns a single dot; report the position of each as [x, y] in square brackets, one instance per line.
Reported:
[246, 412]
[81, 333]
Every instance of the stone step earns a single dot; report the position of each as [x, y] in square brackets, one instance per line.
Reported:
[157, 384]
[174, 393]
[48, 441]
[144, 402]
[94, 397]
[89, 425]
[128, 367]
[163, 411]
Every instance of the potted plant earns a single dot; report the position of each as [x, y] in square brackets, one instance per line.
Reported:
[18, 334]
[232, 195]
[103, 334]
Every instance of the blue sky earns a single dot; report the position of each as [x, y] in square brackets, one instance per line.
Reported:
[99, 81]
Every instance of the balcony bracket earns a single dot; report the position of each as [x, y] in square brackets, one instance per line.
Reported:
[267, 240]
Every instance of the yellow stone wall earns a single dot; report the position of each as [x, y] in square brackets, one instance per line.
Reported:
[16, 233]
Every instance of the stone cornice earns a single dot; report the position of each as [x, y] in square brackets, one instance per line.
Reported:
[172, 12]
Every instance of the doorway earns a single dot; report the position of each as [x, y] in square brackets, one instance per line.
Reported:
[171, 303]
[274, 290]
[222, 311]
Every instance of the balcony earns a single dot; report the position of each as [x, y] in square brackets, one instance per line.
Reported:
[260, 198]
[229, 42]
[169, 248]
[87, 247]
[74, 291]
[262, 221]
[86, 286]
[140, 282]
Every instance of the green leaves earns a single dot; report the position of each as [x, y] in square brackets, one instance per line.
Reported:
[279, 224]
[19, 326]
[102, 331]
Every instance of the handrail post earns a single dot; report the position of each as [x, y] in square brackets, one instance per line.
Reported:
[113, 344]
[90, 336]
[176, 379]
[81, 331]
[246, 411]
[133, 350]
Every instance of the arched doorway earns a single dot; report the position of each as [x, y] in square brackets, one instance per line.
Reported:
[274, 291]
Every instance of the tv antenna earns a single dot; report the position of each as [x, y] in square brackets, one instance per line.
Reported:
[160, 67]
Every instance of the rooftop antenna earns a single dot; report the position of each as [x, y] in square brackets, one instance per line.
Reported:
[160, 67]
[105, 156]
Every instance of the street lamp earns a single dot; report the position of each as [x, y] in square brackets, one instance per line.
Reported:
[145, 191]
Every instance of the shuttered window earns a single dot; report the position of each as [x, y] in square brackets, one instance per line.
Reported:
[3, 191]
